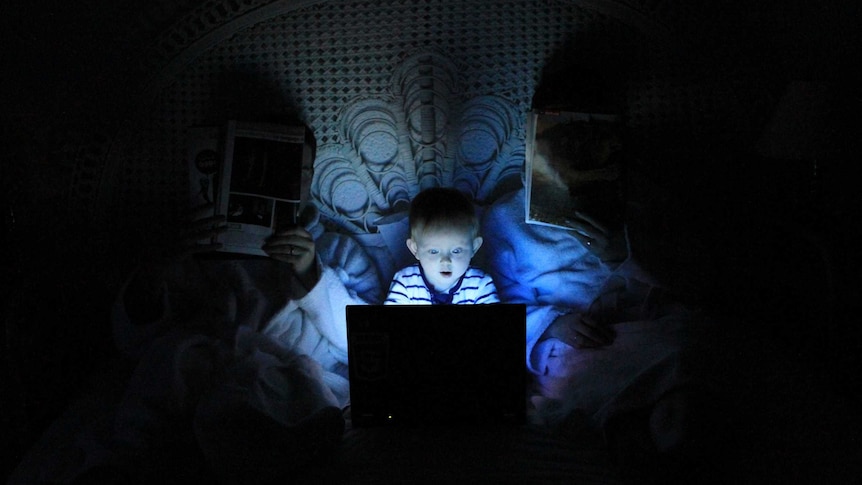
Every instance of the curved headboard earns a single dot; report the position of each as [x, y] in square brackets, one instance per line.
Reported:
[443, 85]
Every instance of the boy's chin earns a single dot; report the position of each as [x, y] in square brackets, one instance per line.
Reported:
[444, 282]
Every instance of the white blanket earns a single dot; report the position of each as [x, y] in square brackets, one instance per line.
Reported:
[553, 273]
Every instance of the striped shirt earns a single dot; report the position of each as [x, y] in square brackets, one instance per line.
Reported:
[409, 286]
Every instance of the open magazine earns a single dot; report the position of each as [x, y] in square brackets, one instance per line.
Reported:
[573, 166]
[256, 174]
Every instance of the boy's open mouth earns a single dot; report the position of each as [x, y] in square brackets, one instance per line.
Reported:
[446, 274]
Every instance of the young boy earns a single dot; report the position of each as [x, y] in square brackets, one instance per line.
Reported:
[444, 237]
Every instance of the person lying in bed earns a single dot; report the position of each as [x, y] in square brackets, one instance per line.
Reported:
[558, 273]
[244, 359]
[576, 282]
[444, 237]
[596, 321]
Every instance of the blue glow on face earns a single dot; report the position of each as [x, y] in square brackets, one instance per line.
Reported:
[444, 255]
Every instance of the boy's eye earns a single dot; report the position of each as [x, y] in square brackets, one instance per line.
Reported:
[433, 251]
[456, 251]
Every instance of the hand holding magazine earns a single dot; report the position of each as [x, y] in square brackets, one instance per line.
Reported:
[255, 175]
[573, 169]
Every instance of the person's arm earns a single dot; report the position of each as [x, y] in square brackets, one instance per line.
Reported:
[295, 247]
[143, 297]
[143, 305]
[138, 313]
[579, 330]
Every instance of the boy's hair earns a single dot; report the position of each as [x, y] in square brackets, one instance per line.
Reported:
[442, 207]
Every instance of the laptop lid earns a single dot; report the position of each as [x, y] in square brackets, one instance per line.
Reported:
[437, 364]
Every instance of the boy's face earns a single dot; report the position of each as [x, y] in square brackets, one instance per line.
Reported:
[444, 255]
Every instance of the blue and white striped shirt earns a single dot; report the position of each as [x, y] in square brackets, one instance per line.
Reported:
[409, 287]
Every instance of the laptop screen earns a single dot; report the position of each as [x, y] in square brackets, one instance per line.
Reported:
[437, 364]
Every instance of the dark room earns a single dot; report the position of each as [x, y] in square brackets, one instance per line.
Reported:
[236, 236]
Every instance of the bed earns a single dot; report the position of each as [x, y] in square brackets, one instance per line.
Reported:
[686, 397]
[693, 396]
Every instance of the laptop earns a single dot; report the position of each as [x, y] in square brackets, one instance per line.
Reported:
[420, 365]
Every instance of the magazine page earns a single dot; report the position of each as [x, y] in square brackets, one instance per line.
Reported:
[260, 183]
[573, 165]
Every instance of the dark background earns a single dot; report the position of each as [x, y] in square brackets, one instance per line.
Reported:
[70, 66]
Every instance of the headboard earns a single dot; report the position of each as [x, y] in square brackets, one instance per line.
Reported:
[400, 96]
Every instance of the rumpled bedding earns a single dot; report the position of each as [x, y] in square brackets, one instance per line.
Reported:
[575, 394]
[645, 361]
[553, 273]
